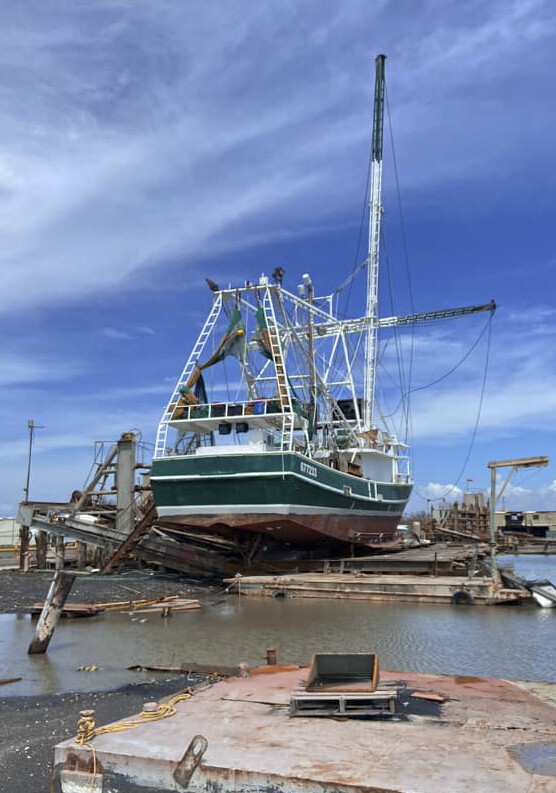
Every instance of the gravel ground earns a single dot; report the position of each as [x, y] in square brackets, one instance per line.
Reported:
[19, 591]
[31, 726]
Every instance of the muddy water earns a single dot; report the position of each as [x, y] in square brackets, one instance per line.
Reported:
[506, 642]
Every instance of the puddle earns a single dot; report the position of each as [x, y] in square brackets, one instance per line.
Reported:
[535, 758]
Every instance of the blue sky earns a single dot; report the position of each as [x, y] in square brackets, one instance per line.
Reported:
[146, 145]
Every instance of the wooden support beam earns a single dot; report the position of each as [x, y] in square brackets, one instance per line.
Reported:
[42, 548]
[519, 462]
[54, 603]
[60, 553]
[24, 540]
[81, 555]
[132, 539]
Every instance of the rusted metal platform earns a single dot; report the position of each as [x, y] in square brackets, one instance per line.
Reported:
[378, 588]
[456, 734]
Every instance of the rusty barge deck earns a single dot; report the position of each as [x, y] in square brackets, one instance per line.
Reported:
[448, 734]
[376, 587]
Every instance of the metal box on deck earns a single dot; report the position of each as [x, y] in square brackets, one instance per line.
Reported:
[343, 672]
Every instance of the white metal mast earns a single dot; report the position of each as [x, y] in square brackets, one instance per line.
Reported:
[375, 212]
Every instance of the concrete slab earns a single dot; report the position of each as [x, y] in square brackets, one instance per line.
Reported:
[488, 735]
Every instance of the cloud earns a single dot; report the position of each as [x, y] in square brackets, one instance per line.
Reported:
[515, 497]
[18, 368]
[63, 448]
[168, 131]
[435, 491]
[520, 389]
[114, 333]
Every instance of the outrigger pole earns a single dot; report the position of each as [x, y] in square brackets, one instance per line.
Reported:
[375, 213]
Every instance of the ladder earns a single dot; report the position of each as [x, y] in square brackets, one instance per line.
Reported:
[284, 396]
[162, 434]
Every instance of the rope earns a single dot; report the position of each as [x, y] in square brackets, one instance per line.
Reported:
[406, 258]
[87, 731]
[357, 267]
[397, 340]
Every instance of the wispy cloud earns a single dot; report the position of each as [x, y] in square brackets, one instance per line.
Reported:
[17, 369]
[128, 335]
[520, 389]
[114, 333]
[140, 140]
[151, 138]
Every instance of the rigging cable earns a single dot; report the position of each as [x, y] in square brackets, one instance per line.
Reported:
[406, 258]
[397, 341]
[446, 374]
[358, 267]
[476, 427]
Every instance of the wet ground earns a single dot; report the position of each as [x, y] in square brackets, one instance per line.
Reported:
[37, 712]
[31, 726]
[19, 592]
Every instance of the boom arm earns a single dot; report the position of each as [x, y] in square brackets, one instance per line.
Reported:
[425, 316]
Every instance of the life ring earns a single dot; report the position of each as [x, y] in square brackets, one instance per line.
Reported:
[462, 598]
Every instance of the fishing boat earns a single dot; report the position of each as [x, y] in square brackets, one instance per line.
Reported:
[272, 432]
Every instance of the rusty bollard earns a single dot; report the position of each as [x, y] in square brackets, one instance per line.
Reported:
[85, 726]
[271, 656]
[190, 760]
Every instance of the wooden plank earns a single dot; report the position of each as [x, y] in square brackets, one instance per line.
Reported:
[305, 703]
[70, 610]
[173, 605]
[194, 669]
[428, 695]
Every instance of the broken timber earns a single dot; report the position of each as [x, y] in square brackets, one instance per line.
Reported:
[70, 610]
[132, 539]
[57, 595]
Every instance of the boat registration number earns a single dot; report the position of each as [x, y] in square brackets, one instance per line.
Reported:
[310, 470]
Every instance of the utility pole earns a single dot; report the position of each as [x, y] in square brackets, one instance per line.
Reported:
[24, 532]
[32, 427]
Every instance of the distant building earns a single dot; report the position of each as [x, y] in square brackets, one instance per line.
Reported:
[540, 523]
[9, 532]
[469, 518]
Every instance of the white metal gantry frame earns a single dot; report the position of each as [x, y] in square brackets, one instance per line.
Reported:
[162, 434]
[284, 396]
[288, 316]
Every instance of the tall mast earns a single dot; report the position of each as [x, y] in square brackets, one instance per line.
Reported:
[375, 212]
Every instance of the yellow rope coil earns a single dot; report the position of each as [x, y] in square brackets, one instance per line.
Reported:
[86, 729]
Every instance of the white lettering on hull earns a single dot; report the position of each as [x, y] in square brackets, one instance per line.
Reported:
[310, 470]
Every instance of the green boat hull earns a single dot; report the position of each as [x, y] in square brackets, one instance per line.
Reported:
[294, 499]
